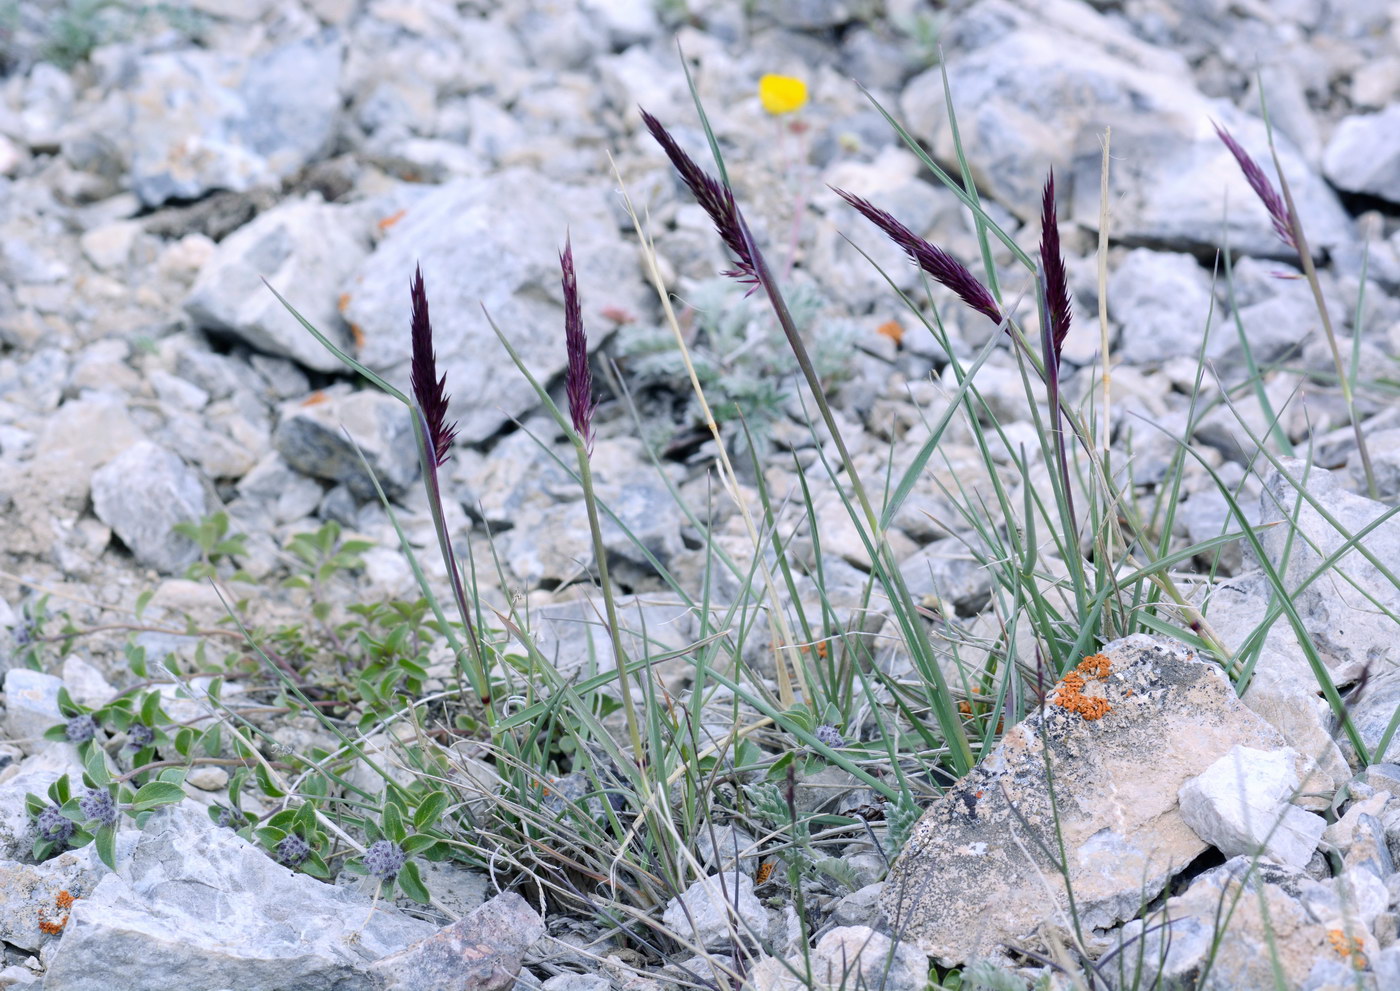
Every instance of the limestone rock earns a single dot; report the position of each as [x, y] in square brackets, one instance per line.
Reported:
[717, 910]
[1269, 926]
[977, 873]
[476, 254]
[481, 952]
[196, 906]
[141, 494]
[198, 120]
[1240, 806]
[848, 957]
[312, 438]
[1364, 154]
[306, 249]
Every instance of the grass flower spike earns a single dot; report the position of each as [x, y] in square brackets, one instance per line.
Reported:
[714, 197]
[429, 390]
[782, 94]
[435, 436]
[1263, 188]
[942, 267]
[1053, 266]
[578, 378]
[1054, 324]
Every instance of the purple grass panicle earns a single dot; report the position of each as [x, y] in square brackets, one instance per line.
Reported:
[714, 197]
[429, 391]
[1053, 265]
[578, 378]
[942, 267]
[1263, 188]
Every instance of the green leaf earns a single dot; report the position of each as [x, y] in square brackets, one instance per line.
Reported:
[417, 843]
[59, 733]
[306, 817]
[150, 709]
[142, 601]
[212, 740]
[136, 659]
[96, 767]
[184, 740]
[393, 823]
[107, 846]
[412, 883]
[265, 782]
[430, 809]
[154, 794]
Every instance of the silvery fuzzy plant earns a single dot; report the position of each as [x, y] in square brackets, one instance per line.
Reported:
[740, 359]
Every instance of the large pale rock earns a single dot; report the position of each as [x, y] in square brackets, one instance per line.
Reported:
[1294, 709]
[492, 242]
[306, 249]
[978, 872]
[31, 706]
[34, 894]
[141, 494]
[1035, 83]
[196, 906]
[197, 120]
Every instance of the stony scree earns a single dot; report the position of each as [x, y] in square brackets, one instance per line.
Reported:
[158, 161]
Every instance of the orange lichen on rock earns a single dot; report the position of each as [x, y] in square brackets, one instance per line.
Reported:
[1071, 695]
[1095, 666]
[63, 901]
[386, 222]
[1347, 947]
[891, 329]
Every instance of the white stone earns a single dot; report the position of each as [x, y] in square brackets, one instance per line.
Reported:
[109, 246]
[1364, 154]
[31, 706]
[717, 911]
[1240, 806]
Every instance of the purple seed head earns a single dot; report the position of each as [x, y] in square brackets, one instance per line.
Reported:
[830, 736]
[714, 198]
[384, 859]
[429, 390]
[292, 850]
[1263, 188]
[229, 818]
[942, 267]
[54, 826]
[81, 728]
[578, 379]
[139, 736]
[98, 806]
[1053, 265]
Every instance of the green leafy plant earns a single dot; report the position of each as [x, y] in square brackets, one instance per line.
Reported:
[216, 546]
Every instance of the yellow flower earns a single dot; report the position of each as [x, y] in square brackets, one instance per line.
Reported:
[782, 94]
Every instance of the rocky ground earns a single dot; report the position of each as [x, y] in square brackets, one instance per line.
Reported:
[157, 162]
